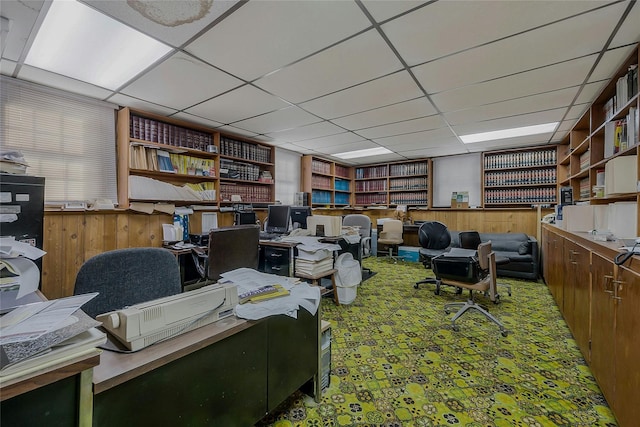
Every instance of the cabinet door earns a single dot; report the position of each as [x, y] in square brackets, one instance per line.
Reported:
[555, 267]
[627, 336]
[577, 294]
[602, 325]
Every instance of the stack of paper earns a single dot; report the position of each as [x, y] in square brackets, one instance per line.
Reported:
[312, 268]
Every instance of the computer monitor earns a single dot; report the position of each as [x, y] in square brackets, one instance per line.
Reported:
[242, 218]
[299, 216]
[278, 219]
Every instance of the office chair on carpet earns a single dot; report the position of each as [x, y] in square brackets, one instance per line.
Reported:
[391, 236]
[475, 273]
[363, 223]
[125, 277]
[434, 239]
[471, 240]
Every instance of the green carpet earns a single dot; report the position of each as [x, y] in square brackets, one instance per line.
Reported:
[397, 362]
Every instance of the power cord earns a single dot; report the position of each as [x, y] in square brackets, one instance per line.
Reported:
[622, 257]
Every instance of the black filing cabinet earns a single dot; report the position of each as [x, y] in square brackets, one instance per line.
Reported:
[275, 260]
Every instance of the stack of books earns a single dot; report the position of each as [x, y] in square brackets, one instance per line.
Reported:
[313, 263]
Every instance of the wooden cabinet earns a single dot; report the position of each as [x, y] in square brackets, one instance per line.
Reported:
[600, 304]
[161, 159]
[329, 184]
[553, 265]
[401, 183]
[607, 130]
[577, 293]
[520, 177]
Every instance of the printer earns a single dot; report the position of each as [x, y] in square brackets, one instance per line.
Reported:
[141, 325]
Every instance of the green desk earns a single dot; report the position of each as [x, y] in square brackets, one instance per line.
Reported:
[229, 373]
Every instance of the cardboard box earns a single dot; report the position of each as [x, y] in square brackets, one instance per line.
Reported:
[460, 200]
[621, 175]
[409, 253]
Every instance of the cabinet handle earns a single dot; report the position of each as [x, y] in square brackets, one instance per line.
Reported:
[607, 278]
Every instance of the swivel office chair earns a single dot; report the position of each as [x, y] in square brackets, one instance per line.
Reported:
[127, 276]
[471, 240]
[391, 236]
[363, 222]
[434, 239]
[475, 273]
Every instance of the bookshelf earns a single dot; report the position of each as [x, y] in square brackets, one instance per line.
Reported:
[329, 184]
[400, 183]
[607, 134]
[520, 177]
[161, 159]
[247, 169]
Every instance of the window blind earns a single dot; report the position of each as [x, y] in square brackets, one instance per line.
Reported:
[287, 177]
[68, 139]
[465, 178]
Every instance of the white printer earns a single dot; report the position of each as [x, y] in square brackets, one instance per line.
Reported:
[141, 325]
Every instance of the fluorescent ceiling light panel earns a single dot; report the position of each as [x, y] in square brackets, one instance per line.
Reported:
[508, 133]
[77, 41]
[362, 153]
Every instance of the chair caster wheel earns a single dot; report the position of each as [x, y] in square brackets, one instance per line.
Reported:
[458, 291]
[503, 333]
[416, 286]
[437, 292]
[456, 328]
[447, 312]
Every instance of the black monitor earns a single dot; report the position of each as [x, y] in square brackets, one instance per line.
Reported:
[278, 219]
[299, 216]
[242, 218]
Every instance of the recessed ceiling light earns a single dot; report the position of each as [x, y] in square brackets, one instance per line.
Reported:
[362, 153]
[80, 42]
[508, 133]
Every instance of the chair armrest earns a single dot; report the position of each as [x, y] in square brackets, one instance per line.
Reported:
[533, 245]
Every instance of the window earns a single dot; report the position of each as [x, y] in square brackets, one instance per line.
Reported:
[287, 175]
[67, 139]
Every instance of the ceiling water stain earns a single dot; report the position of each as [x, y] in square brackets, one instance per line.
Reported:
[171, 13]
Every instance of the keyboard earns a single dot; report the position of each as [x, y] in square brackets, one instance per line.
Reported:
[268, 236]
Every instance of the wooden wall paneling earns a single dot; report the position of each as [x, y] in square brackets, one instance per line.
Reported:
[73, 250]
[154, 230]
[94, 233]
[139, 230]
[53, 261]
[110, 231]
[122, 230]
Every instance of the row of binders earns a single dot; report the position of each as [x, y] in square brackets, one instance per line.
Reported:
[153, 159]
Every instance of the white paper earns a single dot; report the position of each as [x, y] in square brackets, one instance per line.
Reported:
[8, 217]
[29, 275]
[11, 248]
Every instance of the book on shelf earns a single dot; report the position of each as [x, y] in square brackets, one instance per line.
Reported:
[164, 162]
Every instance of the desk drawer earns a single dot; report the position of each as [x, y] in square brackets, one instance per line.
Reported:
[276, 268]
[276, 256]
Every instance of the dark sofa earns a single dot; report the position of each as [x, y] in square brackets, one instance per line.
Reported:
[519, 248]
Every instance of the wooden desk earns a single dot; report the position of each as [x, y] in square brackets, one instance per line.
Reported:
[57, 395]
[231, 372]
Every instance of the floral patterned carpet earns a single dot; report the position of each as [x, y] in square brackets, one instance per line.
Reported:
[397, 362]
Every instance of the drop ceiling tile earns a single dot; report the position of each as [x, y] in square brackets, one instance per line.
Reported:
[609, 64]
[7, 67]
[169, 21]
[264, 36]
[197, 82]
[23, 16]
[232, 130]
[413, 109]
[286, 118]
[547, 116]
[196, 119]
[408, 126]
[58, 81]
[238, 104]
[590, 91]
[340, 140]
[343, 148]
[127, 101]
[383, 10]
[514, 107]
[302, 133]
[418, 140]
[524, 141]
[443, 150]
[386, 90]
[566, 74]
[576, 112]
[413, 34]
[349, 63]
[296, 148]
[579, 36]
[391, 157]
[629, 32]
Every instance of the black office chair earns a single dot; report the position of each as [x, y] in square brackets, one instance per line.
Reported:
[434, 239]
[476, 272]
[125, 277]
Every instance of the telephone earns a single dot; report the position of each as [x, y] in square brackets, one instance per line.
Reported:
[300, 232]
[549, 218]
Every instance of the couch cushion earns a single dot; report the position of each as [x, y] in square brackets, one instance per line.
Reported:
[523, 249]
[514, 256]
[507, 242]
